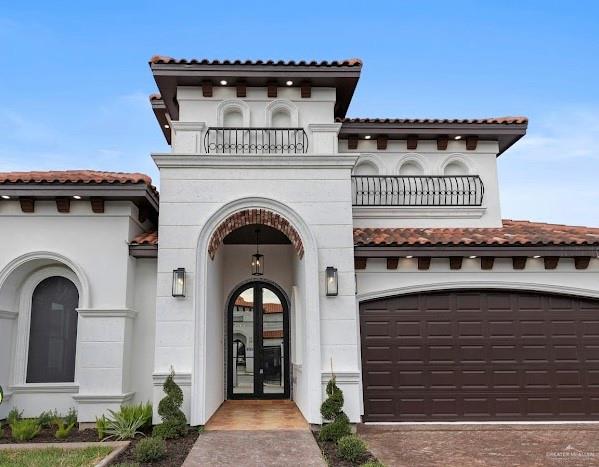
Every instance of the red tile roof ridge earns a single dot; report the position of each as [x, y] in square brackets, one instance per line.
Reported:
[504, 120]
[76, 176]
[165, 59]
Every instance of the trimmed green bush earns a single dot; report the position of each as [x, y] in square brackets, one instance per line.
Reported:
[332, 411]
[174, 423]
[25, 429]
[150, 449]
[351, 448]
[372, 464]
[335, 430]
[101, 427]
[14, 415]
[62, 429]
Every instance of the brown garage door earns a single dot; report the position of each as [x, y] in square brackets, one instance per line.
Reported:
[480, 355]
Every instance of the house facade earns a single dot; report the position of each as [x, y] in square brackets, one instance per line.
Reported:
[290, 243]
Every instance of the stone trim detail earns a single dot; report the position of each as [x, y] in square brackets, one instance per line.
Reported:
[254, 216]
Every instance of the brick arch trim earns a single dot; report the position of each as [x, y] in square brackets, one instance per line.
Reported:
[254, 216]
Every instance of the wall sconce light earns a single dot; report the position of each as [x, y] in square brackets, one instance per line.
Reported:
[332, 281]
[179, 282]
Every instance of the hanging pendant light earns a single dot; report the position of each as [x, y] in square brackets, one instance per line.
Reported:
[257, 259]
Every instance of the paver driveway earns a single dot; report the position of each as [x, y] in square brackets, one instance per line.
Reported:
[484, 445]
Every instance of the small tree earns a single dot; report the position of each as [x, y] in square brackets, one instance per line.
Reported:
[332, 411]
[174, 423]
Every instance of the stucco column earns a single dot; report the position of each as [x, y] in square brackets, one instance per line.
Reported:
[104, 339]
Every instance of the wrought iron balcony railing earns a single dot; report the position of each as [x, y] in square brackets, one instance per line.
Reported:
[220, 140]
[422, 190]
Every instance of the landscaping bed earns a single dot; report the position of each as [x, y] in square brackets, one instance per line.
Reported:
[176, 451]
[331, 455]
[46, 435]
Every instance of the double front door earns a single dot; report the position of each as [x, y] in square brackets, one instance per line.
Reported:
[258, 343]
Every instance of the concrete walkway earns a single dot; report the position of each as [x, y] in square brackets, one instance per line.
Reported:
[255, 449]
[255, 434]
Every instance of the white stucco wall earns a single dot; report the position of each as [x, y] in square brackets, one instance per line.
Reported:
[429, 161]
[94, 249]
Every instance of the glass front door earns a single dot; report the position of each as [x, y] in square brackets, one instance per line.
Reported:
[258, 344]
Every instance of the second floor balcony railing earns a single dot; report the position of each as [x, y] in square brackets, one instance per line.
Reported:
[417, 190]
[222, 140]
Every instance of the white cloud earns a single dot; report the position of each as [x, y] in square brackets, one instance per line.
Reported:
[563, 134]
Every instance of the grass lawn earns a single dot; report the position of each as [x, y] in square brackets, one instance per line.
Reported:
[55, 457]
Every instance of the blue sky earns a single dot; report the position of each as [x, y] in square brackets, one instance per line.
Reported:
[75, 78]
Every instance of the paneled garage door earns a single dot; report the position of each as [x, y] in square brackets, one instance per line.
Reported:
[480, 355]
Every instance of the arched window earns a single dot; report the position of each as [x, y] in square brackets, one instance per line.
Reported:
[366, 168]
[411, 167]
[53, 332]
[233, 118]
[455, 168]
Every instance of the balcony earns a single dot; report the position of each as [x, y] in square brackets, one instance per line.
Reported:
[420, 191]
[220, 140]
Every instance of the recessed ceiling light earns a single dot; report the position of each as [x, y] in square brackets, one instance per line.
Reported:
[367, 137]
[458, 137]
[223, 82]
[536, 256]
[289, 83]
[76, 196]
[5, 197]
[409, 257]
[472, 256]
[166, 126]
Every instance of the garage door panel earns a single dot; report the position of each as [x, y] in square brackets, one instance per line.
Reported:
[480, 355]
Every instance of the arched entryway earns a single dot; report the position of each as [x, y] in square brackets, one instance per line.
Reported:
[258, 342]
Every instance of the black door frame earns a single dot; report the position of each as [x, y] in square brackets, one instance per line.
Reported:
[258, 341]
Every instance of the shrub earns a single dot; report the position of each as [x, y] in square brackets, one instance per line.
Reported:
[335, 430]
[62, 429]
[101, 426]
[332, 411]
[46, 419]
[333, 405]
[351, 448]
[71, 416]
[14, 415]
[372, 464]
[174, 423]
[25, 429]
[123, 426]
[150, 449]
[134, 411]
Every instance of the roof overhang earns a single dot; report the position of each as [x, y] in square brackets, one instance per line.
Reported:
[138, 193]
[169, 74]
[448, 251]
[161, 114]
[505, 134]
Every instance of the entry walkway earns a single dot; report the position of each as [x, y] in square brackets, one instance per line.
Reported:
[256, 433]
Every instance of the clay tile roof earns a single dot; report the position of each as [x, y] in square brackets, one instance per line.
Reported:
[479, 121]
[268, 307]
[75, 176]
[513, 233]
[146, 238]
[162, 59]
[272, 334]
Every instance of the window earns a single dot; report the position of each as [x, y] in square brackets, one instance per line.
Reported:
[53, 332]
